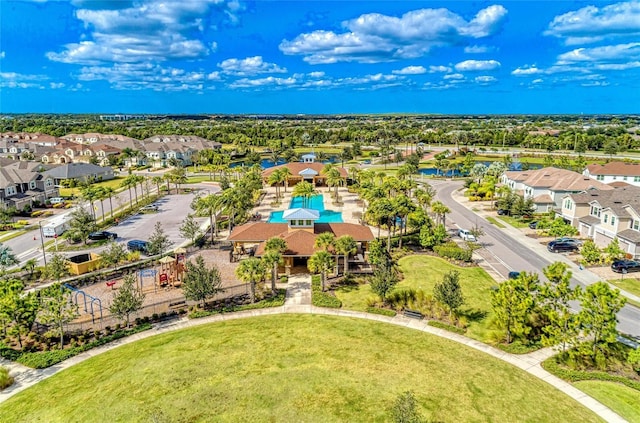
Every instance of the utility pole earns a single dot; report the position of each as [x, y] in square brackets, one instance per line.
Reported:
[44, 254]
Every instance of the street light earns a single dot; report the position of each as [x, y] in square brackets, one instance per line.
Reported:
[44, 255]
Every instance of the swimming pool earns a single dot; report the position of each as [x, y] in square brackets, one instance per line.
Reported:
[315, 203]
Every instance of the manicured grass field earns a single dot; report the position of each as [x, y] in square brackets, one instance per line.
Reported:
[423, 272]
[495, 222]
[112, 183]
[291, 368]
[516, 223]
[621, 399]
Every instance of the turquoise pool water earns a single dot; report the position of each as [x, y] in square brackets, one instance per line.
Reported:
[316, 203]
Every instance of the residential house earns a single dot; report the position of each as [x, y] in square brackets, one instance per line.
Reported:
[22, 183]
[80, 172]
[605, 215]
[195, 142]
[615, 172]
[548, 186]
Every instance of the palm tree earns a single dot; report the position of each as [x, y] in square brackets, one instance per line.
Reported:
[178, 177]
[157, 180]
[440, 210]
[275, 179]
[306, 190]
[7, 258]
[251, 271]
[320, 262]
[108, 193]
[128, 183]
[334, 179]
[101, 196]
[345, 245]
[402, 207]
[286, 173]
[209, 205]
[274, 248]
[324, 241]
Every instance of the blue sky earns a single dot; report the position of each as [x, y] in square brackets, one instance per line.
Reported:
[216, 56]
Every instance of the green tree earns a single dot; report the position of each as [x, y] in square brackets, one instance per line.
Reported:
[113, 254]
[127, 299]
[201, 282]
[190, 228]
[522, 206]
[306, 190]
[405, 409]
[449, 293]
[209, 205]
[274, 248]
[17, 308]
[511, 304]
[252, 271]
[7, 258]
[81, 224]
[30, 266]
[57, 309]
[431, 237]
[611, 148]
[613, 251]
[383, 281]
[597, 318]
[591, 254]
[320, 262]
[440, 211]
[57, 267]
[325, 241]
[634, 359]
[345, 245]
[561, 328]
[158, 241]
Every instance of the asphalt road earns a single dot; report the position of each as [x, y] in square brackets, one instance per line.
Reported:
[515, 253]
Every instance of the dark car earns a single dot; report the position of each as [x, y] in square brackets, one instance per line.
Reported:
[514, 275]
[100, 235]
[138, 245]
[569, 240]
[533, 225]
[625, 266]
[562, 246]
[150, 208]
[503, 212]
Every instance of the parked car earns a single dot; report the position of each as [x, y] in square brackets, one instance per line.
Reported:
[138, 245]
[150, 207]
[503, 212]
[466, 235]
[97, 236]
[56, 200]
[562, 246]
[625, 266]
[514, 275]
[533, 225]
[570, 240]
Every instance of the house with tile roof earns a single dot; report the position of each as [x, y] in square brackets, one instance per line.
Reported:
[614, 172]
[605, 215]
[80, 172]
[309, 171]
[22, 183]
[548, 186]
[300, 233]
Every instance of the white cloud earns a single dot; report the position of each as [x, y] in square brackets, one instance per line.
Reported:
[438, 69]
[603, 53]
[477, 65]
[140, 76]
[213, 76]
[618, 66]
[411, 70]
[485, 79]
[591, 24]
[595, 84]
[56, 85]
[21, 80]
[316, 74]
[144, 31]
[477, 49]
[374, 37]
[2, 54]
[249, 66]
[262, 82]
[454, 76]
[527, 70]
[537, 81]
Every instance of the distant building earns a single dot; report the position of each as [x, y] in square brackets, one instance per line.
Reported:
[615, 172]
[80, 172]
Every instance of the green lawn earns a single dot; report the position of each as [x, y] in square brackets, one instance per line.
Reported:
[291, 368]
[423, 272]
[495, 222]
[621, 399]
[629, 284]
[111, 183]
[516, 223]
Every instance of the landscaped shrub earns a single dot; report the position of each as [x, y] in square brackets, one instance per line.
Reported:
[445, 326]
[382, 311]
[322, 299]
[451, 250]
[5, 379]
[552, 366]
[400, 298]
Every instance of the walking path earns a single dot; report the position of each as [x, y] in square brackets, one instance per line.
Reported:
[298, 300]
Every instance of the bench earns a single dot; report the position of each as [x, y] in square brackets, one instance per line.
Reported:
[412, 314]
[177, 304]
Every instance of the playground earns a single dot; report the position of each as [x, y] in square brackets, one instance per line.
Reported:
[161, 283]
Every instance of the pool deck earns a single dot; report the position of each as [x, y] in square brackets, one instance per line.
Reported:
[350, 208]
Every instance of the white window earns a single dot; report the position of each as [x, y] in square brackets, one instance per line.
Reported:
[636, 225]
[613, 220]
[600, 177]
[636, 179]
[606, 218]
[624, 178]
[300, 222]
[309, 223]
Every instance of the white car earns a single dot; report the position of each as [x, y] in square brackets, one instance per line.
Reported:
[466, 235]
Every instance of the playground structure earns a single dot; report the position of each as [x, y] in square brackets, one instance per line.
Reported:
[92, 300]
[171, 271]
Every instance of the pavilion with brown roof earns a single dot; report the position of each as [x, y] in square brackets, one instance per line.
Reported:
[300, 236]
[303, 171]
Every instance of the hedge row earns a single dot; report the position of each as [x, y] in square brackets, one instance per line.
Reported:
[450, 328]
[44, 359]
[276, 301]
[571, 375]
[382, 311]
[451, 250]
[322, 299]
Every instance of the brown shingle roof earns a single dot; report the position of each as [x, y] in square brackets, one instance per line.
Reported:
[615, 168]
[556, 179]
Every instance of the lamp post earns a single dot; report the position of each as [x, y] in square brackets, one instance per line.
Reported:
[44, 254]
